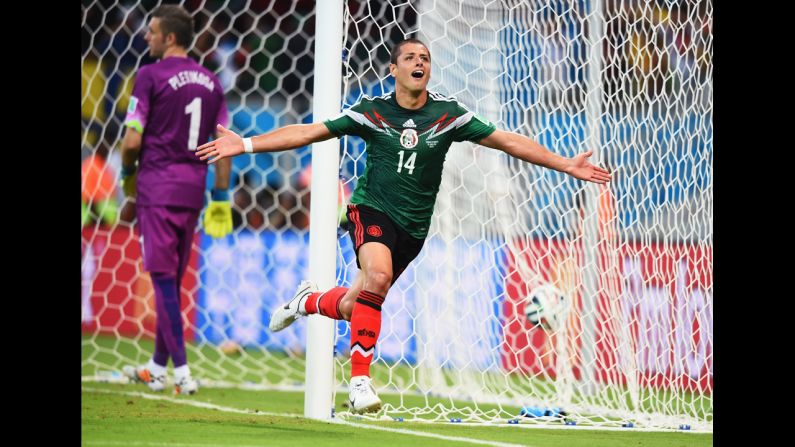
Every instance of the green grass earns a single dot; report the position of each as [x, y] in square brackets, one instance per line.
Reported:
[115, 419]
[264, 367]
[103, 353]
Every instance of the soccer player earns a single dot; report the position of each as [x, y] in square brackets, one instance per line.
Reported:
[408, 133]
[175, 105]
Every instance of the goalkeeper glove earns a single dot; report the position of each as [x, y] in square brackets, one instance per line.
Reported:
[129, 177]
[218, 217]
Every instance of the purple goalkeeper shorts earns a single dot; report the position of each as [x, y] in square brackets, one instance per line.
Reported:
[166, 237]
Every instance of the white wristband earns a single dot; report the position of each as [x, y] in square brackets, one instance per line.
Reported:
[248, 145]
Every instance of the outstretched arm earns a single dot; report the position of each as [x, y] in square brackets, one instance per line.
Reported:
[288, 137]
[523, 148]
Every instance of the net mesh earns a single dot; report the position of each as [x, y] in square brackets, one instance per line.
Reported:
[625, 334]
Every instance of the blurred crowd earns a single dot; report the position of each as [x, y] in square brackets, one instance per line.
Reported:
[657, 48]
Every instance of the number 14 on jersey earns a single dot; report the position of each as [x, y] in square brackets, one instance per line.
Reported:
[409, 162]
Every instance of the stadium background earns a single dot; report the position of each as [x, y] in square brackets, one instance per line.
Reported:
[269, 84]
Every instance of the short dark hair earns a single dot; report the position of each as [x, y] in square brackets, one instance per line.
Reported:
[175, 19]
[396, 49]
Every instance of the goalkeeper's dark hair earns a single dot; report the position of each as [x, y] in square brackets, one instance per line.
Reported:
[396, 49]
[175, 19]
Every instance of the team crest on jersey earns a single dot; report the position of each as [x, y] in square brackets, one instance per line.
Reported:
[409, 138]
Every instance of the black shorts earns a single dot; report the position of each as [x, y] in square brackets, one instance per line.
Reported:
[367, 224]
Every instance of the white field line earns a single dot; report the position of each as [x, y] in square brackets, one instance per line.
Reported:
[551, 425]
[265, 413]
[192, 403]
[427, 435]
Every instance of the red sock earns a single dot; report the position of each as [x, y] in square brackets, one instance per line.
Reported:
[326, 303]
[365, 328]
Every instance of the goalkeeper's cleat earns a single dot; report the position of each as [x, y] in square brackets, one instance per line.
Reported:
[284, 316]
[363, 398]
[141, 374]
[186, 385]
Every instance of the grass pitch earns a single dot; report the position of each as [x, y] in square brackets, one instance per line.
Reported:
[119, 414]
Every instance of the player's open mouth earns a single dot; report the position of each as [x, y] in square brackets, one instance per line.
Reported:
[418, 73]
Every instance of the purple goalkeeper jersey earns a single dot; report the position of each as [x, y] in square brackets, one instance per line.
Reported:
[175, 104]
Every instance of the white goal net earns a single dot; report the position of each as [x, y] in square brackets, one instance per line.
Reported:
[536, 297]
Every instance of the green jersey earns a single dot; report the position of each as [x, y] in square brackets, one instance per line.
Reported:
[405, 153]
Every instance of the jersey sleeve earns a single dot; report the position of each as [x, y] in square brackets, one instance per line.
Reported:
[470, 126]
[138, 107]
[351, 121]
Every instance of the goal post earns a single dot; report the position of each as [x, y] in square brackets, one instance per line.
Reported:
[593, 110]
[632, 260]
[323, 217]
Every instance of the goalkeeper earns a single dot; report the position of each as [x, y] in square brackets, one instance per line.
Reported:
[175, 104]
[408, 133]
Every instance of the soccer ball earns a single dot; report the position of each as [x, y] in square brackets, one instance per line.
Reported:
[546, 306]
[231, 348]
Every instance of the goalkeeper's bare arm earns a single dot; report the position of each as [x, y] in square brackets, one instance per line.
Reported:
[218, 216]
